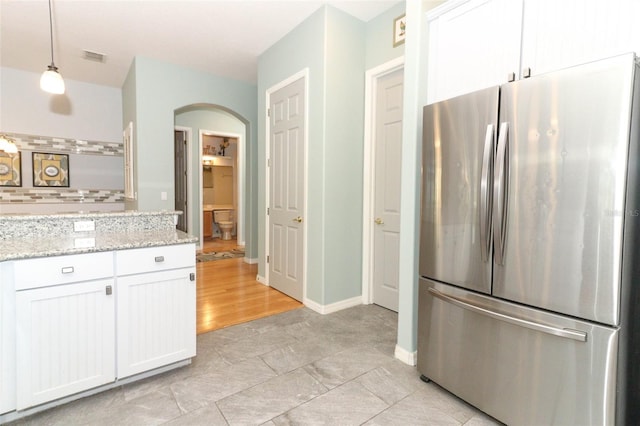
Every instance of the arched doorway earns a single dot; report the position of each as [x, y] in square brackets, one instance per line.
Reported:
[198, 121]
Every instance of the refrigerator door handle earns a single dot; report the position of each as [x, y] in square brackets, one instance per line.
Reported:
[566, 333]
[486, 194]
[500, 192]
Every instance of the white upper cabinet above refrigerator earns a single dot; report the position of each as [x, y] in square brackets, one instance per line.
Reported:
[559, 34]
[474, 44]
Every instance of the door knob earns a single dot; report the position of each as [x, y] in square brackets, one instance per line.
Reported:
[298, 219]
[379, 221]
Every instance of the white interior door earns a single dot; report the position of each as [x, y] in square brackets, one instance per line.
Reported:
[387, 163]
[286, 192]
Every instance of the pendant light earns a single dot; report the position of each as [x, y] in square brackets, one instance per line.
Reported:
[7, 145]
[51, 80]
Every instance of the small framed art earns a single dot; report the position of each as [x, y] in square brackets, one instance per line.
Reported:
[50, 169]
[10, 169]
[399, 25]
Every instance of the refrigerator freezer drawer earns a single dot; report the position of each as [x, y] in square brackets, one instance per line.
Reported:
[517, 364]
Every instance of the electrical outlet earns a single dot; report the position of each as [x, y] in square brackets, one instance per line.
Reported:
[84, 242]
[84, 225]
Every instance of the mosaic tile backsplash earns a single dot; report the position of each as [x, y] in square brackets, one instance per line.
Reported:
[57, 195]
[60, 195]
[73, 146]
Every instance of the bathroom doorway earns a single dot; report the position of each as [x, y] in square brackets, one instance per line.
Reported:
[221, 193]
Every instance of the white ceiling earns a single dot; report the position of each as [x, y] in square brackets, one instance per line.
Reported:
[224, 38]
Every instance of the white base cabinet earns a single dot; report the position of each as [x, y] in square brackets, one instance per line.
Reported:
[65, 340]
[7, 340]
[85, 321]
[156, 326]
[156, 310]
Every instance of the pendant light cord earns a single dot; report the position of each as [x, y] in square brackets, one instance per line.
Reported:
[51, 33]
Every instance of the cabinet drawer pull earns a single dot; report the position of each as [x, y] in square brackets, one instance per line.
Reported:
[67, 270]
[159, 259]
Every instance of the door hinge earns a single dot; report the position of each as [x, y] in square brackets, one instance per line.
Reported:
[268, 162]
[268, 112]
[192, 276]
[267, 211]
[267, 258]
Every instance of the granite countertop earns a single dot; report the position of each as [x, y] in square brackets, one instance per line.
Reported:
[89, 242]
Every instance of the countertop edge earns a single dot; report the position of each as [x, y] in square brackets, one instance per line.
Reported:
[134, 241]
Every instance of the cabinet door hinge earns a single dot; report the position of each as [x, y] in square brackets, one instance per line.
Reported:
[108, 290]
[192, 276]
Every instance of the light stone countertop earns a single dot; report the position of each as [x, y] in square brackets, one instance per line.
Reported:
[89, 242]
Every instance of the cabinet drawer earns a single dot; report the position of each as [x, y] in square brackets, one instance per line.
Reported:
[137, 261]
[47, 271]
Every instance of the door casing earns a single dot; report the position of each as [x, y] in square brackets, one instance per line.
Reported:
[371, 79]
[305, 75]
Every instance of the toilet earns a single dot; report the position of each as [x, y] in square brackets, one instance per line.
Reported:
[224, 220]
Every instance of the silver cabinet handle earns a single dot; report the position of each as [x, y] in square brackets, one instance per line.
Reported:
[67, 270]
[159, 259]
[567, 333]
[485, 195]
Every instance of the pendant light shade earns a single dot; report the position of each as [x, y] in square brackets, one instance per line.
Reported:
[51, 80]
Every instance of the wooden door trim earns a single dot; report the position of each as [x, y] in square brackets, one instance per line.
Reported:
[370, 99]
[304, 74]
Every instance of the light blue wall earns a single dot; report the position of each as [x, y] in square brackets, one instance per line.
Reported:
[379, 40]
[301, 48]
[160, 89]
[204, 118]
[344, 152]
[415, 94]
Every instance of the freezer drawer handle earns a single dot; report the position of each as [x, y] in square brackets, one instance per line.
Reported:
[567, 333]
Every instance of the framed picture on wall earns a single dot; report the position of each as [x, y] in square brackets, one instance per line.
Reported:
[10, 169]
[50, 169]
[399, 25]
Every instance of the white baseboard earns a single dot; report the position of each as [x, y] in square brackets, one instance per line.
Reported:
[334, 307]
[409, 358]
[251, 260]
[261, 280]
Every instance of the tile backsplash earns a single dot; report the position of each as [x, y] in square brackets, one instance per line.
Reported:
[85, 193]
[62, 145]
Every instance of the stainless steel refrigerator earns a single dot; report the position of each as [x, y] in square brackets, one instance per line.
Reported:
[529, 306]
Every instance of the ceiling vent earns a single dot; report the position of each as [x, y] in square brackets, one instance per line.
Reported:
[94, 56]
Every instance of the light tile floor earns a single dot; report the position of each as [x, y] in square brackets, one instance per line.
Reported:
[294, 368]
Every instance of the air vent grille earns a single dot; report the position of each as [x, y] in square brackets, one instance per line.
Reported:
[94, 56]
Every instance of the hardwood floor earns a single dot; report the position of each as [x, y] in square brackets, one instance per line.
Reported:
[227, 292]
